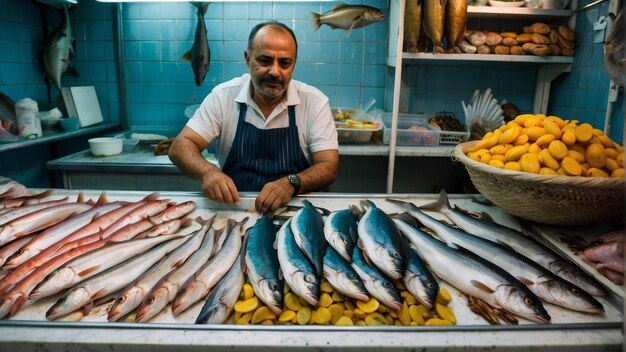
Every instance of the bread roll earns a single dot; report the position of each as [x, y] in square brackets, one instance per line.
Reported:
[554, 49]
[483, 49]
[524, 38]
[477, 38]
[566, 33]
[517, 50]
[502, 50]
[540, 39]
[540, 28]
[508, 41]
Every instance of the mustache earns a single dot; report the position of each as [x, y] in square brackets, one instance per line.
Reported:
[271, 79]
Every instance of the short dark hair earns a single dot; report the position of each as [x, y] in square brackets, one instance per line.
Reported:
[274, 24]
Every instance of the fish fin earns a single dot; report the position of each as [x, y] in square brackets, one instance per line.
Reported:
[306, 202]
[315, 20]
[367, 259]
[525, 281]
[102, 199]
[186, 223]
[204, 8]
[17, 304]
[187, 56]
[338, 6]
[88, 270]
[80, 198]
[505, 245]
[151, 196]
[86, 309]
[481, 286]
[439, 204]
[359, 244]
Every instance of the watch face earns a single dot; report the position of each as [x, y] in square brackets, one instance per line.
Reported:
[294, 180]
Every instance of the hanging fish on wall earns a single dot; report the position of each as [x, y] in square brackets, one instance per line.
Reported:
[347, 17]
[434, 13]
[456, 18]
[412, 25]
[615, 51]
[58, 50]
[199, 55]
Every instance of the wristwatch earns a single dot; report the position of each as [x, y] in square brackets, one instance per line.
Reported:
[294, 180]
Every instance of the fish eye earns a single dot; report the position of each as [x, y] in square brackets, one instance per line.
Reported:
[575, 291]
[528, 301]
[309, 278]
[396, 255]
[430, 285]
[61, 300]
[352, 276]
[274, 287]
[121, 299]
[20, 252]
[150, 300]
[387, 284]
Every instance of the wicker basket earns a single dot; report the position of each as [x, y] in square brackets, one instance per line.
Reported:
[555, 200]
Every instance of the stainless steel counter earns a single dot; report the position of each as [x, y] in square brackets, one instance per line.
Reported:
[569, 330]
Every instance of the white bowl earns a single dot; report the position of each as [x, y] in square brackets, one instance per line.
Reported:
[106, 146]
[496, 3]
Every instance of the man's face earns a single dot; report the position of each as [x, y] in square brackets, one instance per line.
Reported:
[271, 61]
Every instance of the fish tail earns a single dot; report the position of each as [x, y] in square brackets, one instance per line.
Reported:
[316, 18]
[441, 203]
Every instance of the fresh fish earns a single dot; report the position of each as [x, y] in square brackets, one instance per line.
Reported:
[475, 276]
[132, 296]
[418, 279]
[142, 212]
[56, 53]
[262, 266]
[16, 212]
[342, 277]
[340, 231]
[516, 240]
[24, 200]
[40, 220]
[412, 24]
[175, 211]
[200, 55]
[607, 255]
[221, 301]
[203, 281]
[375, 281]
[72, 241]
[456, 18]
[165, 228]
[296, 268]
[347, 17]
[57, 232]
[165, 291]
[112, 280]
[88, 265]
[433, 22]
[13, 247]
[380, 239]
[543, 283]
[308, 230]
[615, 51]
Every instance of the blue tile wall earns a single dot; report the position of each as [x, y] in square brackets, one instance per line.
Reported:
[348, 69]
[582, 94]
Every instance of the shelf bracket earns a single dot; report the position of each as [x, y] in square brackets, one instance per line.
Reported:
[545, 75]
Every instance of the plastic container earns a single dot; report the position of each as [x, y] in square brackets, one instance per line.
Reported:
[70, 124]
[28, 125]
[106, 146]
[356, 135]
[413, 130]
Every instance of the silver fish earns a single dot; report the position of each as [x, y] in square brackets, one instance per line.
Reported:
[418, 279]
[342, 276]
[201, 283]
[340, 231]
[222, 299]
[475, 276]
[165, 291]
[307, 226]
[347, 17]
[112, 280]
[615, 51]
[296, 268]
[12, 247]
[375, 281]
[16, 212]
[380, 239]
[199, 55]
[525, 245]
[132, 297]
[543, 283]
[56, 54]
[262, 264]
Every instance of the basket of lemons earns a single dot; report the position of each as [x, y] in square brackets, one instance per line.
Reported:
[548, 170]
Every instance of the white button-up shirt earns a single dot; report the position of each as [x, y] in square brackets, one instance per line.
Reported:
[217, 116]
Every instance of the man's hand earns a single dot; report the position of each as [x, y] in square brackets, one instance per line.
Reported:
[273, 195]
[219, 187]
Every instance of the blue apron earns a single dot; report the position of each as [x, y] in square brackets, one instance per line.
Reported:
[259, 156]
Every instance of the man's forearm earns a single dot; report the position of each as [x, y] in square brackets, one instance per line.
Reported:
[318, 176]
[186, 156]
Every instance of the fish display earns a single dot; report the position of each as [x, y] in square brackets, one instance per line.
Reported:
[262, 266]
[199, 55]
[523, 244]
[412, 25]
[142, 255]
[454, 26]
[615, 51]
[56, 53]
[347, 17]
[307, 226]
[473, 275]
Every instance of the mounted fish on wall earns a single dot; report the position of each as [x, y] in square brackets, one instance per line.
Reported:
[58, 51]
[347, 17]
[199, 55]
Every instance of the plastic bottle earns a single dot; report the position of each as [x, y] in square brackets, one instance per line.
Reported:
[28, 124]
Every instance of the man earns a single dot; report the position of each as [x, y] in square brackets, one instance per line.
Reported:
[276, 135]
